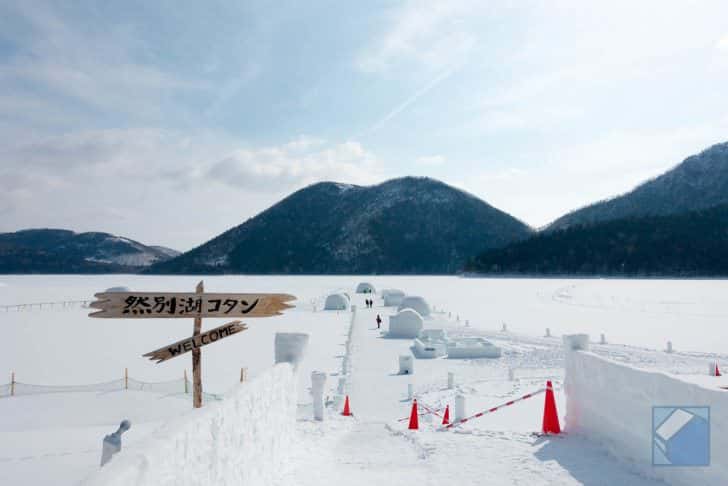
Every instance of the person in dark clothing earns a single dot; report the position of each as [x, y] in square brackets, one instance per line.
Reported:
[379, 321]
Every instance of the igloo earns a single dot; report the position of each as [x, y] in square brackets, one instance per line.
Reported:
[392, 297]
[417, 303]
[336, 302]
[365, 288]
[406, 324]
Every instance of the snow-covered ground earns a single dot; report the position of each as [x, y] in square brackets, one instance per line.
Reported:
[62, 346]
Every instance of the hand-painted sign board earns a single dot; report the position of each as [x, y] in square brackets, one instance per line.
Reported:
[150, 305]
[195, 342]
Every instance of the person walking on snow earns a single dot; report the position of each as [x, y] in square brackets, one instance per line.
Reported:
[379, 321]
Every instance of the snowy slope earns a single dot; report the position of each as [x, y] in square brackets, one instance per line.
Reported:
[412, 225]
[700, 181]
[63, 251]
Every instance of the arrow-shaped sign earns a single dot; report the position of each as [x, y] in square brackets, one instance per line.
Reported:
[195, 342]
[141, 305]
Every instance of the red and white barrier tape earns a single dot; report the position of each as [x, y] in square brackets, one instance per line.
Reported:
[491, 410]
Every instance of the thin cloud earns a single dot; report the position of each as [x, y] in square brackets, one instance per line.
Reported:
[409, 101]
[294, 165]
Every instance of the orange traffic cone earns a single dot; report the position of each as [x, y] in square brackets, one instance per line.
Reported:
[446, 417]
[347, 410]
[717, 371]
[414, 422]
[550, 415]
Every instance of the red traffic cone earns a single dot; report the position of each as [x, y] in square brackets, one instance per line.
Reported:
[347, 410]
[550, 415]
[414, 422]
[446, 417]
[717, 371]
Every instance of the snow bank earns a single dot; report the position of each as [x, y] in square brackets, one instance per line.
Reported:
[611, 403]
[241, 440]
[472, 348]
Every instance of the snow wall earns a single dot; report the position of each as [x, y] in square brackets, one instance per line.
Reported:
[611, 404]
[241, 440]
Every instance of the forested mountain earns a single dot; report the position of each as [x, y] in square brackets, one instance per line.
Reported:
[63, 251]
[700, 181]
[408, 225]
[688, 244]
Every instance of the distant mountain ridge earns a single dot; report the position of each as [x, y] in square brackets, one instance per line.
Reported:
[407, 225]
[689, 244]
[63, 251]
[700, 181]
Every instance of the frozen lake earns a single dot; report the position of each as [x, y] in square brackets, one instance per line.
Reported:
[54, 438]
[65, 346]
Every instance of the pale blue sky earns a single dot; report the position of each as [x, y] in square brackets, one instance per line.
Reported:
[171, 121]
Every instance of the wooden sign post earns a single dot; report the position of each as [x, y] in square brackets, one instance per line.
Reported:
[141, 305]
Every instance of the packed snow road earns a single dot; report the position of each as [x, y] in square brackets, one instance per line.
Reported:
[374, 447]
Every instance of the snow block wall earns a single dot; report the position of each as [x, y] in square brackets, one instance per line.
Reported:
[611, 404]
[242, 440]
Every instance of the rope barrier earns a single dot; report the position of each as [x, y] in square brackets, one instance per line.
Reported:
[177, 387]
[491, 410]
[29, 306]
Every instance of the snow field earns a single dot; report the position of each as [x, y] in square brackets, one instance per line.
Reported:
[56, 439]
[65, 347]
[242, 440]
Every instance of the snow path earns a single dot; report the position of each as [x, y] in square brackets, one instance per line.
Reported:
[373, 448]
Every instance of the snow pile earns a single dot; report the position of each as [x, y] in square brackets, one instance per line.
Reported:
[406, 323]
[337, 302]
[417, 303]
[611, 403]
[243, 440]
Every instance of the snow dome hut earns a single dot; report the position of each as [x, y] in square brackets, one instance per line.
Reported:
[392, 297]
[336, 302]
[118, 289]
[405, 324]
[365, 288]
[417, 303]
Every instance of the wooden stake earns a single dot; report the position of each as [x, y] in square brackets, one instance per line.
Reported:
[186, 390]
[126, 378]
[12, 384]
[243, 374]
[196, 354]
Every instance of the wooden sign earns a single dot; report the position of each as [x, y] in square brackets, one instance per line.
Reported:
[140, 305]
[195, 342]
[147, 305]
